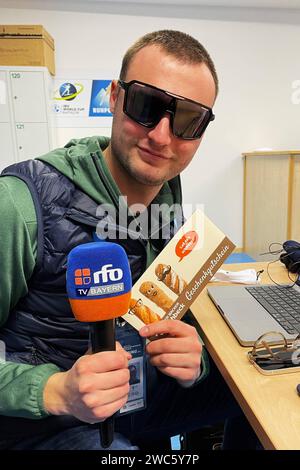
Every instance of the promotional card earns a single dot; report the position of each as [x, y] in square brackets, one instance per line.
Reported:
[178, 275]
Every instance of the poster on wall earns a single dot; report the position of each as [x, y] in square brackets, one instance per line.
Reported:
[81, 102]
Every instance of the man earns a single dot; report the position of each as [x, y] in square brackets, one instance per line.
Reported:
[52, 390]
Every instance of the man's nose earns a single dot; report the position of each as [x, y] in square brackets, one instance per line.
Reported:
[161, 133]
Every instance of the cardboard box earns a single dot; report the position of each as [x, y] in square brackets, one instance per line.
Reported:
[28, 45]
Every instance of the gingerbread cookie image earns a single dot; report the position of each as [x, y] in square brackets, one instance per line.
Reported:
[144, 313]
[156, 295]
[167, 275]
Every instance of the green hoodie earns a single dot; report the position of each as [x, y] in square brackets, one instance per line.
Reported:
[22, 385]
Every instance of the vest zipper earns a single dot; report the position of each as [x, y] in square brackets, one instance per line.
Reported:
[33, 358]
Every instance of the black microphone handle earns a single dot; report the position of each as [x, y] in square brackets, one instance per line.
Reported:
[103, 339]
[103, 335]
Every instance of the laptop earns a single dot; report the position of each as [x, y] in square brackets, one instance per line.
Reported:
[252, 310]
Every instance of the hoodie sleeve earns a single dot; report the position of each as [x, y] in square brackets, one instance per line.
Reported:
[21, 385]
[18, 230]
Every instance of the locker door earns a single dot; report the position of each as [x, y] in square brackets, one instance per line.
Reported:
[28, 96]
[32, 140]
[7, 152]
[4, 106]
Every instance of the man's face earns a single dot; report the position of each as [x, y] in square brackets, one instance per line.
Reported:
[153, 156]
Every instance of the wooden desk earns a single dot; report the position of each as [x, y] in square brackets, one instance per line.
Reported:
[270, 403]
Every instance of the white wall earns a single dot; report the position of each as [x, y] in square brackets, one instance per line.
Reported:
[257, 63]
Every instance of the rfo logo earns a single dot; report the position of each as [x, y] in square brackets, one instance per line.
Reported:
[107, 273]
[82, 277]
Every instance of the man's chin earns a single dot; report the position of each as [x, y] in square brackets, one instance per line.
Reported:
[149, 180]
[144, 174]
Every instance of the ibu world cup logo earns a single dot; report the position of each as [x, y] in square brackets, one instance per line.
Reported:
[68, 91]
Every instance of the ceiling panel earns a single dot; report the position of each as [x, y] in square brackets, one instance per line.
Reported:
[282, 4]
[208, 3]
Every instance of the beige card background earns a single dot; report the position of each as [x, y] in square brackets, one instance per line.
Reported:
[199, 265]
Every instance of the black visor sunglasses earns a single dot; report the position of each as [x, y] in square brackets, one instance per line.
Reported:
[146, 105]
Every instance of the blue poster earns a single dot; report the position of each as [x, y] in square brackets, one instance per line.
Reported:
[99, 104]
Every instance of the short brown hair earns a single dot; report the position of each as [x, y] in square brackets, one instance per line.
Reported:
[181, 45]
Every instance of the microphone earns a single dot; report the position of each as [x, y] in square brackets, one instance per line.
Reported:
[99, 290]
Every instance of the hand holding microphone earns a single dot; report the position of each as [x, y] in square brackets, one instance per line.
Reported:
[93, 390]
[99, 289]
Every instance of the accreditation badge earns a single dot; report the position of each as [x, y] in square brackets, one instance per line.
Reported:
[132, 342]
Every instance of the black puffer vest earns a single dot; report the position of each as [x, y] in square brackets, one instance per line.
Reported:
[42, 322]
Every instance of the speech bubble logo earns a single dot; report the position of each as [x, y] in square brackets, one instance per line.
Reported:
[186, 244]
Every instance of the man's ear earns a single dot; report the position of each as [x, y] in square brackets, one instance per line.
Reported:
[114, 92]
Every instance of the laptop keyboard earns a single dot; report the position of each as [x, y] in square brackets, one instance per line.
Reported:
[282, 303]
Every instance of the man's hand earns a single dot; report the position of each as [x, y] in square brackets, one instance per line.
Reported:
[179, 353]
[93, 389]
